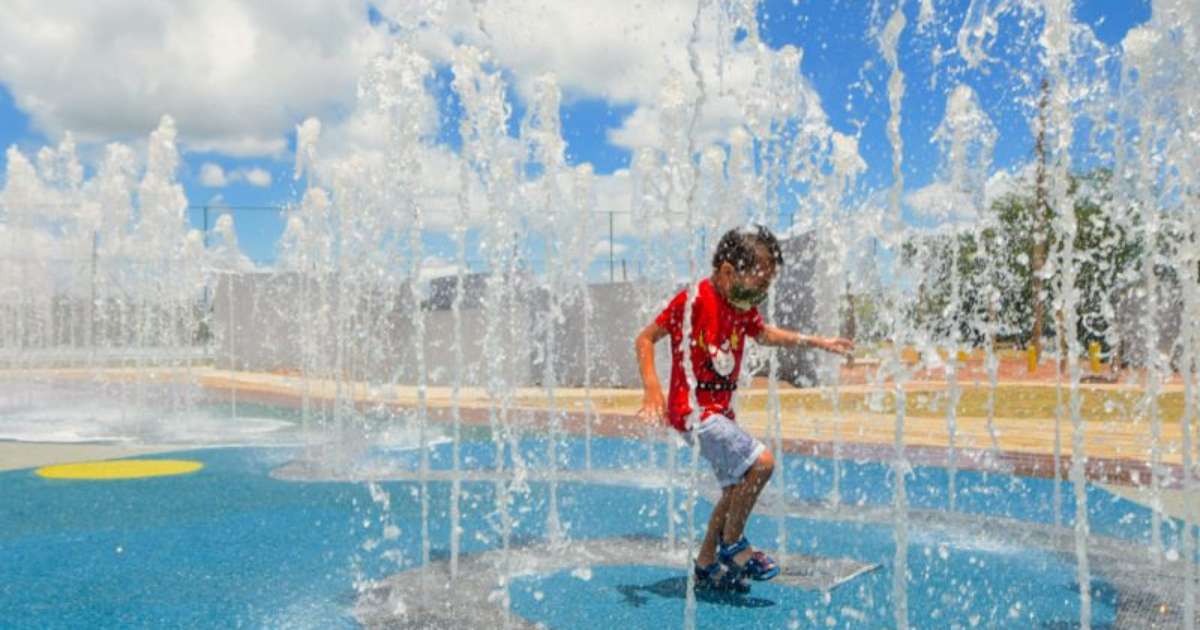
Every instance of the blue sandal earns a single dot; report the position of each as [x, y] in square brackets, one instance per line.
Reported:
[760, 567]
[717, 578]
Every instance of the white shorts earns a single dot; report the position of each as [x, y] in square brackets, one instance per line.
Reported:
[728, 447]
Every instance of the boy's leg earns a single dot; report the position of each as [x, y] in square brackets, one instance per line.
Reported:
[742, 466]
[743, 497]
[716, 523]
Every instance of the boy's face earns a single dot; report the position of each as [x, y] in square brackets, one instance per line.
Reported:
[746, 289]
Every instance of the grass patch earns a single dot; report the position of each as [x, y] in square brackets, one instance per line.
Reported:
[1011, 401]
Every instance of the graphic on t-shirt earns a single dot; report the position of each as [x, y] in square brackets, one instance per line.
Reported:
[722, 357]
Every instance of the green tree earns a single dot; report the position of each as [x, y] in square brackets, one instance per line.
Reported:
[985, 272]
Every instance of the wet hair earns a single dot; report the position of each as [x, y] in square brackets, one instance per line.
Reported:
[740, 246]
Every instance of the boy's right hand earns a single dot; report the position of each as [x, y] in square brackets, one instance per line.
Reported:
[653, 406]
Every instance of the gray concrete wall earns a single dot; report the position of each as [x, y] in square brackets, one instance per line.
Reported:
[323, 326]
[262, 322]
[1134, 325]
[603, 340]
[806, 300]
[282, 322]
[66, 322]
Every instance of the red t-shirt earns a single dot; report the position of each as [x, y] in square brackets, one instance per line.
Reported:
[719, 333]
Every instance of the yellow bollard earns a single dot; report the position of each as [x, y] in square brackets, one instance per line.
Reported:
[1032, 358]
[1094, 356]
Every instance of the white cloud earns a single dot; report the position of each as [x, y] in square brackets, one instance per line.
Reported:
[433, 267]
[234, 75]
[731, 89]
[237, 76]
[257, 177]
[942, 201]
[631, 52]
[601, 249]
[1017, 180]
[212, 175]
[623, 51]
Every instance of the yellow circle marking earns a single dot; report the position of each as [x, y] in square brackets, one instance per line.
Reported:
[120, 469]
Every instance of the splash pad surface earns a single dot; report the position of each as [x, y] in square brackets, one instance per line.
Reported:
[257, 537]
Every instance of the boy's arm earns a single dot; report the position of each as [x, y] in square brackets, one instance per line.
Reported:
[653, 406]
[775, 336]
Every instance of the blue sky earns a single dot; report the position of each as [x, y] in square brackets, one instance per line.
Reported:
[841, 62]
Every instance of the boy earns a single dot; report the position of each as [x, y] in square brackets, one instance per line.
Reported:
[724, 314]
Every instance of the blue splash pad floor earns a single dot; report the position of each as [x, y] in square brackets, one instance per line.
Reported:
[230, 546]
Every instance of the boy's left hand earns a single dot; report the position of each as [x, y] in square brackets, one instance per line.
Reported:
[836, 345]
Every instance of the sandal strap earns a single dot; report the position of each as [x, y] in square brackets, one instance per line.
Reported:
[713, 576]
[707, 571]
[727, 552]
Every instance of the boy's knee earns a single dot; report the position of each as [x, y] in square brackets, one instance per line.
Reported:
[765, 464]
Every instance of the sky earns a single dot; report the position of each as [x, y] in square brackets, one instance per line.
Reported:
[239, 77]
